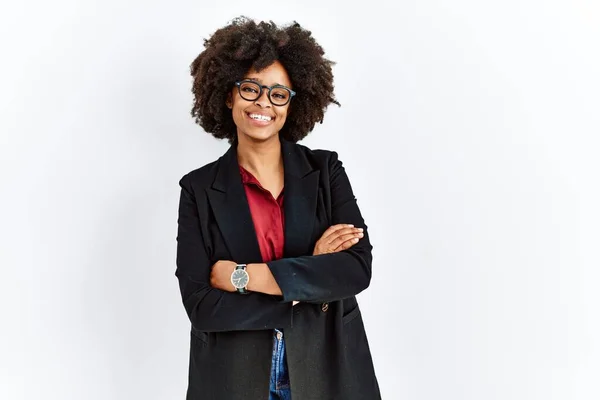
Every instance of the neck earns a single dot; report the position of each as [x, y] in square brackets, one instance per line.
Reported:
[260, 158]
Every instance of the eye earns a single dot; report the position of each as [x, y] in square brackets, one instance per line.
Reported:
[280, 94]
[250, 87]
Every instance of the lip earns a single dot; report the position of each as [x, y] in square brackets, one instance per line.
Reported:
[259, 122]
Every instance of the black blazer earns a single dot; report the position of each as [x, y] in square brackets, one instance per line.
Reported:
[231, 334]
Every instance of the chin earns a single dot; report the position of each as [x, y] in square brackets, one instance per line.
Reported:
[260, 135]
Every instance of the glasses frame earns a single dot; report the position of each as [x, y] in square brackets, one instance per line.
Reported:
[262, 87]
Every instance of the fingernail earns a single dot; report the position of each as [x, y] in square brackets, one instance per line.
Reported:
[355, 240]
[360, 229]
[350, 226]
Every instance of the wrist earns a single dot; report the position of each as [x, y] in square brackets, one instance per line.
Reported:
[262, 280]
[255, 273]
[240, 278]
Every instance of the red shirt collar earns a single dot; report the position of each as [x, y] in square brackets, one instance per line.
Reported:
[247, 177]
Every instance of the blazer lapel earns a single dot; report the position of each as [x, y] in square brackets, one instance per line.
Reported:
[228, 200]
[301, 185]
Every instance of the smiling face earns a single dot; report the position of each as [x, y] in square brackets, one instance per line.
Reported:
[259, 120]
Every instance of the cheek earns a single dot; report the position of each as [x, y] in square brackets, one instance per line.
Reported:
[237, 112]
[283, 115]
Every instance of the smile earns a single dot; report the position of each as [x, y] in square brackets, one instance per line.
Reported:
[259, 117]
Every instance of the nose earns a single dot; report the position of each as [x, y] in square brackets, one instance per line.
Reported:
[263, 99]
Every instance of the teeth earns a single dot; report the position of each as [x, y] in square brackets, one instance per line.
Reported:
[260, 117]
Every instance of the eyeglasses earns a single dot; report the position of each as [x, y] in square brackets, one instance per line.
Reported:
[278, 95]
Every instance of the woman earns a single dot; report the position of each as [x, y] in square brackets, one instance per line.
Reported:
[271, 245]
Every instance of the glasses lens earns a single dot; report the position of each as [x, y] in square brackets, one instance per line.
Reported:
[249, 91]
[280, 96]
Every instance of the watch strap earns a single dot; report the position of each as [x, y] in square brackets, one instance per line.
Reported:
[242, 290]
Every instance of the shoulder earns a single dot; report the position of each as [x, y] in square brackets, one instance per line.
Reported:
[200, 178]
[322, 159]
[333, 175]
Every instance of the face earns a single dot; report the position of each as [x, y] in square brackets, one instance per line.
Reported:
[259, 120]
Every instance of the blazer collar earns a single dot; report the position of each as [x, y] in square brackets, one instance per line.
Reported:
[295, 164]
[228, 200]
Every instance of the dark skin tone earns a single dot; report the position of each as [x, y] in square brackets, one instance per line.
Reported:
[259, 151]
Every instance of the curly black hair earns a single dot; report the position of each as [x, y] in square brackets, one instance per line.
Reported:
[242, 45]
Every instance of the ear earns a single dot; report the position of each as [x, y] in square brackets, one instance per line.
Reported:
[229, 102]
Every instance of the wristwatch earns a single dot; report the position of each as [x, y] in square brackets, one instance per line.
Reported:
[240, 278]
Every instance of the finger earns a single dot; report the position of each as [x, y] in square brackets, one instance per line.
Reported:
[334, 228]
[346, 245]
[343, 233]
[340, 232]
[341, 239]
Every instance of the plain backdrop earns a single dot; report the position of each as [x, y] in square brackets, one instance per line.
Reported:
[476, 122]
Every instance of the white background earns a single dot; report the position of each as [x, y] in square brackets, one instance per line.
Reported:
[470, 132]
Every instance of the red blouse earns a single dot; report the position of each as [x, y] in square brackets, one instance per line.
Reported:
[267, 215]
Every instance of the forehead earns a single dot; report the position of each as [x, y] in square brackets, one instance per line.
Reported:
[272, 75]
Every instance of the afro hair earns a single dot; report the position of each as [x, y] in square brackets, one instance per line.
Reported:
[243, 45]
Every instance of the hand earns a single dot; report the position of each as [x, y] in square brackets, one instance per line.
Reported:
[337, 238]
[220, 275]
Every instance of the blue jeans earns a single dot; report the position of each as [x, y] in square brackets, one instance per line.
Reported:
[280, 380]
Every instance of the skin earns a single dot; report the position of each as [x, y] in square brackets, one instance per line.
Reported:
[259, 151]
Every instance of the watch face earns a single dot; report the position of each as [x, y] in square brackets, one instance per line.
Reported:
[239, 278]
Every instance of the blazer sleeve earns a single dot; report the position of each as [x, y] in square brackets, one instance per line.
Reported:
[210, 309]
[334, 276]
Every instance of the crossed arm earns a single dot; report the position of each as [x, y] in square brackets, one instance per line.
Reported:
[337, 238]
[331, 273]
